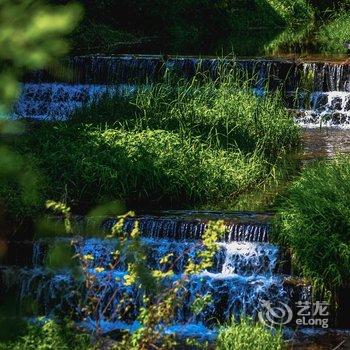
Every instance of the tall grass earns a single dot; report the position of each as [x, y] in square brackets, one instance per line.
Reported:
[334, 33]
[247, 335]
[224, 113]
[85, 165]
[174, 143]
[314, 222]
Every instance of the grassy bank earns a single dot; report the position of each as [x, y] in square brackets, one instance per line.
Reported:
[314, 222]
[88, 165]
[46, 335]
[171, 144]
[189, 26]
[224, 113]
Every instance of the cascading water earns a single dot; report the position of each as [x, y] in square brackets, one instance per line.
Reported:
[244, 272]
[327, 109]
[246, 269]
[326, 104]
[57, 101]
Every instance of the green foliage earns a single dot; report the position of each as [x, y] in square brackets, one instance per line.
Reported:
[314, 222]
[30, 37]
[247, 335]
[294, 12]
[333, 34]
[200, 26]
[89, 165]
[20, 184]
[245, 27]
[176, 141]
[224, 113]
[162, 299]
[49, 336]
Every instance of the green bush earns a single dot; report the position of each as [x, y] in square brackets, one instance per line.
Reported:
[87, 165]
[49, 336]
[247, 335]
[294, 12]
[314, 222]
[224, 113]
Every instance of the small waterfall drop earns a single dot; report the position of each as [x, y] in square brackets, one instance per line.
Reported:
[245, 271]
[57, 101]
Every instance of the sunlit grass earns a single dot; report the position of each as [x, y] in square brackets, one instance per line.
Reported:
[224, 113]
[248, 335]
[314, 222]
[332, 35]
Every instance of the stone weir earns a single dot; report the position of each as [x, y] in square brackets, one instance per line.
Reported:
[323, 76]
[246, 270]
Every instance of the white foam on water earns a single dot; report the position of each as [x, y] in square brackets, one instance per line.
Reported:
[326, 109]
[57, 101]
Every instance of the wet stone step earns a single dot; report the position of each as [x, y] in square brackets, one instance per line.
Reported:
[327, 119]
[250, 228]
[319, 101]
[243, 258]
[55, 101]
[325, 76]
[184, 229]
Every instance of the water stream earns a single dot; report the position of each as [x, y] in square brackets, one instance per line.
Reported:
[246, 269]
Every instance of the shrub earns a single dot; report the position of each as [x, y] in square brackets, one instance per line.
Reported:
[88, 164]
[247, 335]
[293, 11]
[314, 222]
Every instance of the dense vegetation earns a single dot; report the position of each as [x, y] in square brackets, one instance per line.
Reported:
[187, 142]
[245, 27]
[174, 143]
[314, 223]
[246, 336]
[45, 335]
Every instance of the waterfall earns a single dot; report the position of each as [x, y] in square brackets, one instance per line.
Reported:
[330, 109]
[245, 271]
[50, 96]
[57, 101]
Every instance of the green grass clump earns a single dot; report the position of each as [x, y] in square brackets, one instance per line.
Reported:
[333, 34]
[224, 113]
[314, 222]
[48, 336]
[247, 335]
[86, 164]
